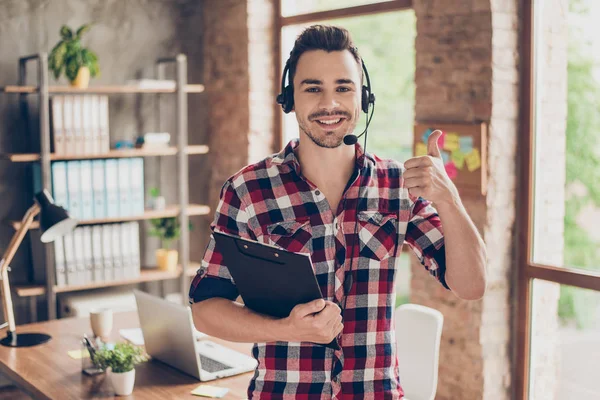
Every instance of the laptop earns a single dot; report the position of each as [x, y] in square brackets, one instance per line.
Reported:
[169, 335]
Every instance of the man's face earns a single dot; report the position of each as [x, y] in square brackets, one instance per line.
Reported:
[327, 94]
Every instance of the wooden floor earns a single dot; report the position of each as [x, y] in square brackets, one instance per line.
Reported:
[12, 393]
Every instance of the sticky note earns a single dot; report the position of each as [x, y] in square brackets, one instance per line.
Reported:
[209, 391]
[473, 160]
[458, 157]
[451, 170]
[78, 354]
[420, 149]
[451, 142]
[445, 156]
[441, 140]
[426, 135]
[465, 144]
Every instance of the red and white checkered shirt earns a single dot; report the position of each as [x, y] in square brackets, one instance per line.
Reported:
[271, 202]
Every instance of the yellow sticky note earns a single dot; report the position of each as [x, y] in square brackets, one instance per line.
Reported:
[459, 158]
[420, 149]
[451, 142]
[210, 391]
[78, 354]
[473, 160]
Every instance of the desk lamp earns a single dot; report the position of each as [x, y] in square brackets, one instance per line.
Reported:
[54, 223]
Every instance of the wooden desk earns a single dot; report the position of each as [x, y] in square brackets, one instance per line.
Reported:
[47, 372]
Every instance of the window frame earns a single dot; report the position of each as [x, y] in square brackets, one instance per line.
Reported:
[527, 270]
[347, 12]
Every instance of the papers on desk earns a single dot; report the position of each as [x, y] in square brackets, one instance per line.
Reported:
[78, 354]
[135, 336]
[210, 391]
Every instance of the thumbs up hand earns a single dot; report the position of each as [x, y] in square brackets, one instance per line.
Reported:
[426, 177]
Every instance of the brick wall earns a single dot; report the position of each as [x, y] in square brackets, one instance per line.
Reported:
[467, 71]
[239, 78]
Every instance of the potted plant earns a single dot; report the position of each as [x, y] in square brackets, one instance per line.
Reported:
[69, 55]
[167, 230]
[120, 361]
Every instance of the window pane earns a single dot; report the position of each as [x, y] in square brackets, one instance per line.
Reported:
[295, 7]
[567, 134]
[565, 342]
[403, 274]
[386, 43]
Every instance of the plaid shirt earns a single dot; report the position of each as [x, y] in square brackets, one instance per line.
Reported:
[273, 203]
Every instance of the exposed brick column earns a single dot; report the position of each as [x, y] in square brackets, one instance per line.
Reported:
[239, 79]
[467, 71]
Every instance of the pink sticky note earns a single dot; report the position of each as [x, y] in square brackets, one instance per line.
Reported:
[442, 140]
[451, 170]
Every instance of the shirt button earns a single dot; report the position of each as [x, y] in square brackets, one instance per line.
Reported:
[317, 193]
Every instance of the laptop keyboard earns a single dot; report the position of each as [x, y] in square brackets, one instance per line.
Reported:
[210, 365]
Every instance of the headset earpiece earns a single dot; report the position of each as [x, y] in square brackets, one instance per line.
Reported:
[286, 97]
[367, 97]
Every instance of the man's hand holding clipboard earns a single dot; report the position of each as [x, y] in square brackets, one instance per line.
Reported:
[276, 282]
[319, 321]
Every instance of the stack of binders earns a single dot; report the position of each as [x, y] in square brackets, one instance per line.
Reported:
[79, 124]
[96, 189]
[98, 253]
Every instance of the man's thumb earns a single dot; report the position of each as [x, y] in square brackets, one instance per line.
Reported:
[315, 306]
[432, 144]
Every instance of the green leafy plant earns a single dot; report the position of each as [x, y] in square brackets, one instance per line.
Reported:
[166, 229]
[123, 357]
[69, 55]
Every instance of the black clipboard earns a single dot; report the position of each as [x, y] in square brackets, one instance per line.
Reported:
[271, 280]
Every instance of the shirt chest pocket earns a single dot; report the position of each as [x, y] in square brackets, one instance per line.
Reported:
[378, 234]
[291, 235]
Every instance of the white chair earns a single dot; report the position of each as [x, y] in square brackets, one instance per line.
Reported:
[418, 335]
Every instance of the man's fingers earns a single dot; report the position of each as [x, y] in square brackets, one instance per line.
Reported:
[417, 191]
[415, 162]
[415, 182]
[312, 307]
[420, 172]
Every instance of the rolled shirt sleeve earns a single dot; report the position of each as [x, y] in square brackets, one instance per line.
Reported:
[425, 236]
[213, 278]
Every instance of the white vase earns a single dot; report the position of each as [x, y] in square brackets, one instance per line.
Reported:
[123, 382]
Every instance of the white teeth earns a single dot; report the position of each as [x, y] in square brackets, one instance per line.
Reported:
[330, 122]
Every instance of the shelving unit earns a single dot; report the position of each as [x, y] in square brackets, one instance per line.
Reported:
[182, 150]
[166, 151]
[147, 274]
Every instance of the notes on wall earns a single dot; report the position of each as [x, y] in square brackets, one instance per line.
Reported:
[463, 151]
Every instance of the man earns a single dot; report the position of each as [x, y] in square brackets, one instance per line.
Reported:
[304, 199]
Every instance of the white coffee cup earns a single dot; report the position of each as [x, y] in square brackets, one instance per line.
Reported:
[101, 320]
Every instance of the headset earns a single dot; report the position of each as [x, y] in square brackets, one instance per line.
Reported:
[286, 100]
[286, 97]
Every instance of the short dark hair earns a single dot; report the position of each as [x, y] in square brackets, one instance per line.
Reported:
[321, 37]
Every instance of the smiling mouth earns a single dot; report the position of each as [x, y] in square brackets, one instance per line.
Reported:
[330, 123]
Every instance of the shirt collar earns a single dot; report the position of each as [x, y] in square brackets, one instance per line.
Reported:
[287, 156]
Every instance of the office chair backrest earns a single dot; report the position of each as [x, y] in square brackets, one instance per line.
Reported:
[418, 334]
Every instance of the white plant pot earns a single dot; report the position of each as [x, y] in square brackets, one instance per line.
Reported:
[123, 382]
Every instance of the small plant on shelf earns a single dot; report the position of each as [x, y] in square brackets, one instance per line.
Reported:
[167, 230]
[69, 55]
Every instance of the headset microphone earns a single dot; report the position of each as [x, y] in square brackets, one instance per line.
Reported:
[350, 139]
